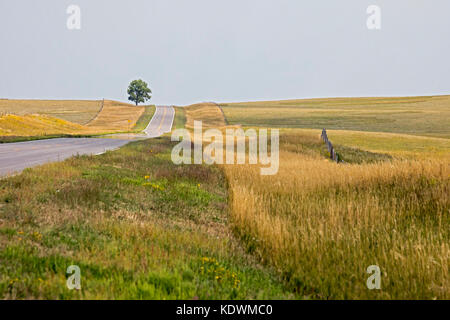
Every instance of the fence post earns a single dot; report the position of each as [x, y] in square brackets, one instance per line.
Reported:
[333, 155]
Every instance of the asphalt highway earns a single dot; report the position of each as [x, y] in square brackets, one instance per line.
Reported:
[161, 122]
[14, 157]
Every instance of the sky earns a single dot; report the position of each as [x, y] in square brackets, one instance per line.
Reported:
[224, 51]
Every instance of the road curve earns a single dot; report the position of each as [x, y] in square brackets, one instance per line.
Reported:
[161, 122]
[14, 157]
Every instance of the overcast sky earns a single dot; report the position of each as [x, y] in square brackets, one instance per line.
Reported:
[229, 50]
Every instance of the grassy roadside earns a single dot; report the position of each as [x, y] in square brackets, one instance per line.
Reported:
[138, 226]
[10, 139]
[180, 118]
[144, 119]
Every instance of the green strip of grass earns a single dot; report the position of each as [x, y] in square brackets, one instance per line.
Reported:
[180, 118]
[312, 145]
[144, 119]
[358, 156]
[138, 226]
[11, 139]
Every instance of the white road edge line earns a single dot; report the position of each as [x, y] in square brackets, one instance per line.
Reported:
[173, 118]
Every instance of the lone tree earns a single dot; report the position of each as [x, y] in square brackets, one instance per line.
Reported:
[139, 91]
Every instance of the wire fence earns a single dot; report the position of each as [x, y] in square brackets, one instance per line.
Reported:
[101, 109]
[221, 110]
[333, 155]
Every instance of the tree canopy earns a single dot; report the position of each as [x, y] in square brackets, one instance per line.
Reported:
[138, 91]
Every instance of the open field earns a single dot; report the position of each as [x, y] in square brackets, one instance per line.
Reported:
[428, 116]
[397, 145]
[209, 113]
[156, 231]
[76, 111]
[33, 118]
[37, 125]
[142, 228]
[321, 224]
[116, 116]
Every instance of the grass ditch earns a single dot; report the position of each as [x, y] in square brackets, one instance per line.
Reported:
[138, 226]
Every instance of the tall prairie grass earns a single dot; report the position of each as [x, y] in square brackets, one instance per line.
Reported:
[322, 224]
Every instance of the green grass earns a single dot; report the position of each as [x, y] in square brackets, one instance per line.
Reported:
[309, 143]
[398, 145]
[138, 226]
[10, 139]
[180, 118]
[145, 118]
[429, 116]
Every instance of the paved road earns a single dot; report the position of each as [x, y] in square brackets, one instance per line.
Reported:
[14, 157]
[161, 122]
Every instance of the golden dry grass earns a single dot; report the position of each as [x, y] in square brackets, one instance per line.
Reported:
[76, 111]
[116, 116]
[38, 125]
[322, 224]
[209, 113]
